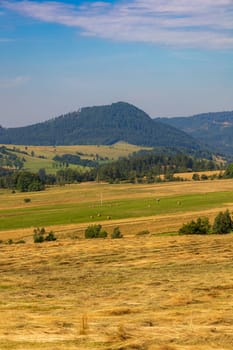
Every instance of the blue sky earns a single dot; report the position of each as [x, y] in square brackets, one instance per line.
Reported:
[168, 57]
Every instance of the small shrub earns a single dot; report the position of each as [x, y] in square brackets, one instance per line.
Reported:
[50, 237]
[204, 177]
[21, 241]
[116, 233]
[27, 200]
[196, 177]
[201, 226]
[95, 231]
[38, 235]
[143, 233]
[10, 241]
[103, 234]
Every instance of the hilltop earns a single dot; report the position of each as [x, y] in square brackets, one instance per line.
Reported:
[212, 130]
[100, 125]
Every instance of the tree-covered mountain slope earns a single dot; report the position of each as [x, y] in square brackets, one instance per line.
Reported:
[214, 130]
[103, 125]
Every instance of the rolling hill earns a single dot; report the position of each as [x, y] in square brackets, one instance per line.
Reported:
[212, 130]
[102, 125]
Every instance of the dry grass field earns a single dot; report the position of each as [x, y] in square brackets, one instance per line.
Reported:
[189, 175]
[152, 292]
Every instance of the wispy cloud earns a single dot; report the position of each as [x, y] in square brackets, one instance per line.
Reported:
[5, 40]
[13, 82]
[185, 23]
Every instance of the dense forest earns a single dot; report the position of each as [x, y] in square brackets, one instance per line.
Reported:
[212, 130]
[148, 167]
[103, 125]
[144, 167]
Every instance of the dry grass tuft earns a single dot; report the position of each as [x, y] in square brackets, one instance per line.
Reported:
[118, 311]
[122, 333]
[84, 325]
[167, 347]
[132, 346]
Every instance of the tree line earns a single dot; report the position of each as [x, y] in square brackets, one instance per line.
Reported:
[149, 167]
[136, 169]
[9, 159]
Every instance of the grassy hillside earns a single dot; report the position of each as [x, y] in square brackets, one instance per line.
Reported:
[37, 157]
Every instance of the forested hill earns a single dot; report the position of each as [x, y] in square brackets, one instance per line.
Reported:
[214, 130]
[102, 125]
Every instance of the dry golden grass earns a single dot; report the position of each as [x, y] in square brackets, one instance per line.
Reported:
[189, 176]
[120, 149]
[140, 292]
[153, 293]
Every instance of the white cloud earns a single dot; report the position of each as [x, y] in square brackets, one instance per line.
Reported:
[13, 82]
[198, 23]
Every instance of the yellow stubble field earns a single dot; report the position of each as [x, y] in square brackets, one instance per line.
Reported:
[150, 292]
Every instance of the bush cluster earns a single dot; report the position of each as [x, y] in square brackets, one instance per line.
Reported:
[40, 235]
[95, 231]
[200, 226]
[223, 223]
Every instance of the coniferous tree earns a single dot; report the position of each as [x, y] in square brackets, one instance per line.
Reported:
[223, 223]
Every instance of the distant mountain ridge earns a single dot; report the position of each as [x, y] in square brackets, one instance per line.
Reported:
[103, 125]
[212, 130]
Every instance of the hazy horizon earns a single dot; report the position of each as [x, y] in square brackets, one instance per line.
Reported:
[168, 58]
[153, 117]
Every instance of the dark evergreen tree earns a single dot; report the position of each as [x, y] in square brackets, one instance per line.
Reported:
[223, 223]
[229, 171]
[116, 233]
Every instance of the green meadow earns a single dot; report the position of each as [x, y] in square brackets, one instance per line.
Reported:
[38, 157]
[70, 209]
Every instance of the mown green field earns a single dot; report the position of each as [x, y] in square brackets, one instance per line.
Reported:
[88, 203]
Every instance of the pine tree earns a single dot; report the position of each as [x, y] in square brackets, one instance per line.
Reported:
[223, 223]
